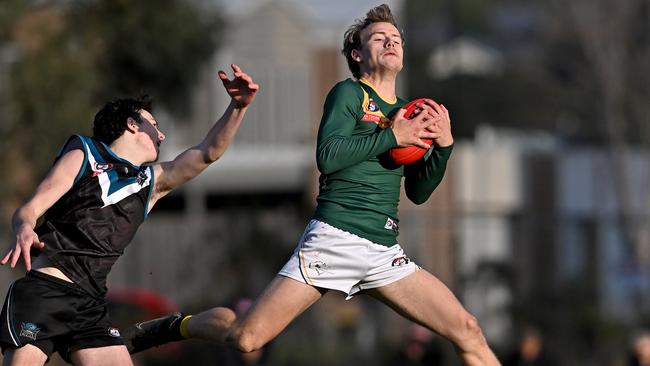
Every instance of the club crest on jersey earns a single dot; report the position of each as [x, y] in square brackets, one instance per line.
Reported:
[29, 330]
[99, 168]
[373, 114]
[372, 106]
[391, 225]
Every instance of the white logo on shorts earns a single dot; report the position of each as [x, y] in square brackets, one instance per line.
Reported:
[400, 261]
[29, 330]
[114, 332]
[318, 266]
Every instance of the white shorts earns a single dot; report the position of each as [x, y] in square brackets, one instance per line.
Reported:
[334, 259]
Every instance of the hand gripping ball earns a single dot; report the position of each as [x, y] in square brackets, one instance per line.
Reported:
[409, 154]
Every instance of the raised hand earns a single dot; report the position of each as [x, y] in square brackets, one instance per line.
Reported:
[241, 88]
[25, 239]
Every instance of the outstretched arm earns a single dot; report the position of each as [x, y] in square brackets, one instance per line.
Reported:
[57, 182]
[191, 162]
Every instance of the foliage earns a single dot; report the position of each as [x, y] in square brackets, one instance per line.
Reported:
[71, 57]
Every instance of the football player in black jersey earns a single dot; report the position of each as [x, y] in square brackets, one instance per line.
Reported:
[92, 201]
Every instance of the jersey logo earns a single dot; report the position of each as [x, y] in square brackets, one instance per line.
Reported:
[141, 178]
[29, 330]
[115, 188]
[99, 168]
[391, 225]
[372, 112]
[372, 106]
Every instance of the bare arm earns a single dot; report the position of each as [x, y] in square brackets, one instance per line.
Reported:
[57, 182]
[171, 174]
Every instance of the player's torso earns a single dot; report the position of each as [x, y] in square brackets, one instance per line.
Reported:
[363, 198]
[88, 228]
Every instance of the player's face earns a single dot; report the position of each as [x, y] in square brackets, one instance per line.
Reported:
[151, 136]
[381, 49]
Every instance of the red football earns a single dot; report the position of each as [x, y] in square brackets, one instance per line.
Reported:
[409, 154]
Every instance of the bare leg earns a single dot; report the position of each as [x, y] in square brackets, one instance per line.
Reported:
[102, 356]
[422, 298]
[282, 301]
[27, 355]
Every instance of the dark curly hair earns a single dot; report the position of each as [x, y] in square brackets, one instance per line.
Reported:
[352, 38]
[110, 121]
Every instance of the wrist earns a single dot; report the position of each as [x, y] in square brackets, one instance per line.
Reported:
[22, 226]
[444, 142]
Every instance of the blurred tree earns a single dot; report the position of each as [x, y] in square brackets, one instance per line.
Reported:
[71, 57]
[148, 45]
[577, 69]
[491, 49]
[614, 37]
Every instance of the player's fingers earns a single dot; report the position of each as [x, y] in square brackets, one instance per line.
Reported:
[247, 79]
[445, 110]
[223, 76]
[15, 256]
[401, 113]
[39, 245]
[434, 128]
[6, 258]
[435, 105]
[422, 144]
[424, 120]
[28, 260]
[428, 108]
[430, 135]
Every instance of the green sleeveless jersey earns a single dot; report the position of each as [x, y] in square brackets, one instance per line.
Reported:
[359, 189]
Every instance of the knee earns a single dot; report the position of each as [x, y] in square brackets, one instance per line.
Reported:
[468, 334]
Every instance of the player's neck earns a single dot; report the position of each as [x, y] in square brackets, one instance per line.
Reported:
[126, 150]
[384, 84]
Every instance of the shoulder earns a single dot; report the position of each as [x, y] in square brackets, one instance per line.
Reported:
[347, 88]
[346, 94]
[74, 142]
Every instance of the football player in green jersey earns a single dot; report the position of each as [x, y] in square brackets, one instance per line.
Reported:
[350, 244]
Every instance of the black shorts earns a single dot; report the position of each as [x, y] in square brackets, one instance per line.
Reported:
[54, 315]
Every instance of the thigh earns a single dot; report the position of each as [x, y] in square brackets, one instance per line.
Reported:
[280, 303]
[102, 356]
[27, 355]
[424, 299]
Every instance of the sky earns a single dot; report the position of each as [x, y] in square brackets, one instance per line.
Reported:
[326, 11]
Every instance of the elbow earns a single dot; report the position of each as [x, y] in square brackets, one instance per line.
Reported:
[210, 155]
[418, 196]
[325, 165]
[417, 199]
